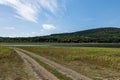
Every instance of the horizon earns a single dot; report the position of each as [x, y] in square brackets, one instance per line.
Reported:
[19, 18]
[63, 32]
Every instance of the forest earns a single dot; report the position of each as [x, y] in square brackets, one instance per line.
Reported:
[98, 35]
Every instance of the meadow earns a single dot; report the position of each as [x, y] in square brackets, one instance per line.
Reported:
[96, 63]
[12, 67]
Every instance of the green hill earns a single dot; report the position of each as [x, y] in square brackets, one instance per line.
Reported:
[93, 35]
[103, 35]
[99, 32]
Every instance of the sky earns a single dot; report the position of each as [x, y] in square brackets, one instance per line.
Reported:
[27, 18]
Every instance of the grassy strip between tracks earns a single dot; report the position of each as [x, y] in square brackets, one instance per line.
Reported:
[58, 74]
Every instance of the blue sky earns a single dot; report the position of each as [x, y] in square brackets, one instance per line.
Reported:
[21, 18]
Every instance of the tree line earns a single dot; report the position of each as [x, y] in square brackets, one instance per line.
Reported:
[100, 35]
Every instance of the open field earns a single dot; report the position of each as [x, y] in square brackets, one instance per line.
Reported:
[12, 67]
[56, 68]
[96, 63]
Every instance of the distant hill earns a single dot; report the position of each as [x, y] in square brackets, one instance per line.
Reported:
[99, 32]
[102, 35]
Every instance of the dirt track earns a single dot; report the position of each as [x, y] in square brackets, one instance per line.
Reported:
[40, 72]
[68, 72]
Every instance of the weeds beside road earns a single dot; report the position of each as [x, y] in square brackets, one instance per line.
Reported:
[97, 63]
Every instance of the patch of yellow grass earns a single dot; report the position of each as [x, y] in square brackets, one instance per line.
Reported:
[97, 63]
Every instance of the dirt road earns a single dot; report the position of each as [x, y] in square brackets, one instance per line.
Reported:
[68, 72]
[41, 73]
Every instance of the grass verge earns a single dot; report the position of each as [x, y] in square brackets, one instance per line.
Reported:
[12, 67]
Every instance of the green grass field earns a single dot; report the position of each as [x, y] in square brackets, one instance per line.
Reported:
[96, 63]
[12, 67]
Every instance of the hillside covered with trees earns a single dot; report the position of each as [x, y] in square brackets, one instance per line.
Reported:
[99, 35]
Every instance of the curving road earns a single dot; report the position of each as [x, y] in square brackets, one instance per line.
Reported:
[68, 72]
[41, 73]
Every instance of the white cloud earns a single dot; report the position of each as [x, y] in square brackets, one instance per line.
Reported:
[33, 32]
[48, 27]
[9, 28]
[29, 9]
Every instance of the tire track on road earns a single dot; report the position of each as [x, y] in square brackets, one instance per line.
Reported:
[68, 72]
[41, 72]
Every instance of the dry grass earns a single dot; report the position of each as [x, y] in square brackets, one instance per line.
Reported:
[12, 67]
[97, 63]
